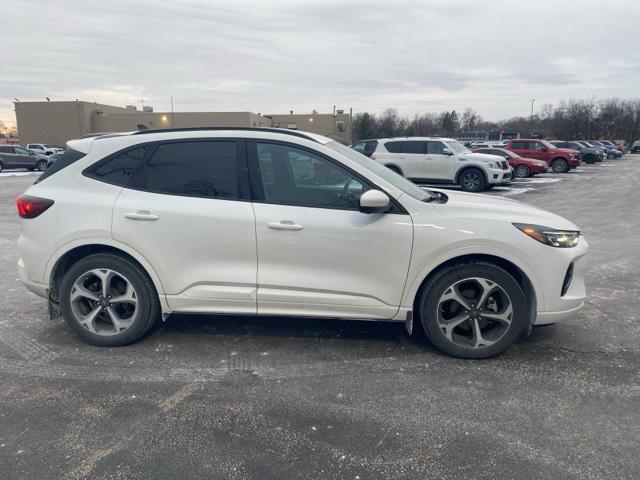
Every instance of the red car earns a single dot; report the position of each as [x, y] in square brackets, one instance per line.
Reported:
[561, 160]
[522, 167]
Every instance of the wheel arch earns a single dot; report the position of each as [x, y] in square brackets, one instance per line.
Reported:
[394, 166]
[519, 273]
[66, 256]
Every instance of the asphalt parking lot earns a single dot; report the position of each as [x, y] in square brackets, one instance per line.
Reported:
[221, 397]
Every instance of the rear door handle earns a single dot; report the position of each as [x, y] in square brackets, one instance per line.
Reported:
[285, 225]
[143, 215]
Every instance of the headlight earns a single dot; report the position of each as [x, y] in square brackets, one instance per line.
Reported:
[550, 236]
[541, 164]
[492, 164]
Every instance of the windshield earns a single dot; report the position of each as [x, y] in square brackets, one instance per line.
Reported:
[383, 172]
[457, 147]
[547, 144]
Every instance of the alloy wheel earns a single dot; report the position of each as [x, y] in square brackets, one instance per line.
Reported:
[522, 171]
[42, 165]
[474, 312]
[471, 181]
[104, 302]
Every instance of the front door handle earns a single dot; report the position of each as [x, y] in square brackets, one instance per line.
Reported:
[144, 215]
[285, 225]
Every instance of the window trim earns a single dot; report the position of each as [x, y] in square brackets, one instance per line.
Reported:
[241, 155]
[257, 190]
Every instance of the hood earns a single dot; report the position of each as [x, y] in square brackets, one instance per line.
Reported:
[566, 151]
[485, 157]
[489, 207]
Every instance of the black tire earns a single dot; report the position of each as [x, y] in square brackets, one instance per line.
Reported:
[472, 180]
[560, 165]
[393, 168]
[611, 156]
[428, 304]
[0, 166]
[522, 171]
[148, 303]
[41, 165]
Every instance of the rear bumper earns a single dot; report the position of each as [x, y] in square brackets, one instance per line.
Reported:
[545, 318]
[38, 288]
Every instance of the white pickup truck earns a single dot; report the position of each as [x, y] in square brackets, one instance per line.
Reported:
[43, 148]
[442, 160]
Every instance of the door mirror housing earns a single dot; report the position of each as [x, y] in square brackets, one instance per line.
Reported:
[544, 149]
[446, 151]
[374, 201]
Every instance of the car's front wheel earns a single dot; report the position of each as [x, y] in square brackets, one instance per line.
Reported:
[472, 180]
[472, 310]
[42, 165]
[560, 165]
[108, 300]
[522, 171]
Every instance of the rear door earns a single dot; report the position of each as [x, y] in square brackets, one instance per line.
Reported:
[414, 156]
[187, 210]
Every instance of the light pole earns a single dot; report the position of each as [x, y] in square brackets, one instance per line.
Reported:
[533, 100]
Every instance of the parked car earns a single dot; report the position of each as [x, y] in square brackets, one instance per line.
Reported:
[522, 167]
[43, 148]
[487, 143]
[587, 154]
[12, 156]
[635, 147]
[213, 221]
[561, 160]
[611, 151]
[366, 147]
[442, 160]
[52, 159]
[620, 145]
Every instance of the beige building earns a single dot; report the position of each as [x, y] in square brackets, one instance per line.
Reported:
[57, 122]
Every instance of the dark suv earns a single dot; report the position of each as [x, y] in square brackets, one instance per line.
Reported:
[17, 157]
[588, 154]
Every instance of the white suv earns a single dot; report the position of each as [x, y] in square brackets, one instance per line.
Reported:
[43, 148]
[127, 228]
[442, 160]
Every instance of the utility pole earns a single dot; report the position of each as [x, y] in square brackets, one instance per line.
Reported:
[173, 115]
[531, 118]
[350, 125]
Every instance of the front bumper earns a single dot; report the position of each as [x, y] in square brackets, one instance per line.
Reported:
[498, 176]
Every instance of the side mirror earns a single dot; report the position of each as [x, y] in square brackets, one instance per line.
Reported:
[374, 201]
[446, 151]
[544, 149]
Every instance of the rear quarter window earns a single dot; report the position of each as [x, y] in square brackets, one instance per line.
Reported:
[64, 160]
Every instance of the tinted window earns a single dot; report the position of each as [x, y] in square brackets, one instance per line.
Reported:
[393, 147]
[520, 145]
[120, 169]
[371, 147]
[436, 148]
[414, 146]
[293, 176]
[359, 147]
[6, 149]
[192, 169]
[64, 160]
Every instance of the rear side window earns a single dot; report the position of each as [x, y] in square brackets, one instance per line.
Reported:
[120, 169]
[414, 146]
[6, 150]
[194, 169]
[520, 145]
[393, 147]
[64, 160]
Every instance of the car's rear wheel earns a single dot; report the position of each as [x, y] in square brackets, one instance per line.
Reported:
[108, 300]
[522, 171]
[472, 180]
[472, 310]
[560, 165]
[42, 165]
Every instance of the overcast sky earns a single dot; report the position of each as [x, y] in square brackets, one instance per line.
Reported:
[271, 57]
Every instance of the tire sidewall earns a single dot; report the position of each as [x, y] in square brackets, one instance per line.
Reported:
[428, 304]
[146, 298]
[41, 162]
[560, 161]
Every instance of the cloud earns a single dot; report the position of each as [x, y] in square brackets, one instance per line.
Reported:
[302, 55]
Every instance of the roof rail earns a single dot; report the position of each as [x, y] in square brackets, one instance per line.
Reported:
[283, 131]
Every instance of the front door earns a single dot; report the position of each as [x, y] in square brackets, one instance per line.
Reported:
[439, 164]
[187, 211]
[318, 255]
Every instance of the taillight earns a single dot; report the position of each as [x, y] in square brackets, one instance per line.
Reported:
[31, 207]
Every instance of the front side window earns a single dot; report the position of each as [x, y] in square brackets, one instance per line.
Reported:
[22, 151]
[194, 169]
[294, 176]
[436, 148]
[5, 150]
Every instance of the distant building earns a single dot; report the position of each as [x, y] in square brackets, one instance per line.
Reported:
[57, 122]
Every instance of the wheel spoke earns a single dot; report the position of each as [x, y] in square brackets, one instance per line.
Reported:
[80, 291]
[487, 289]
[504, 316]
[118, 323]
[88, 321]
[127, 297]
[453, 294]
[105, 277]
[478, 339]
[449, 325]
